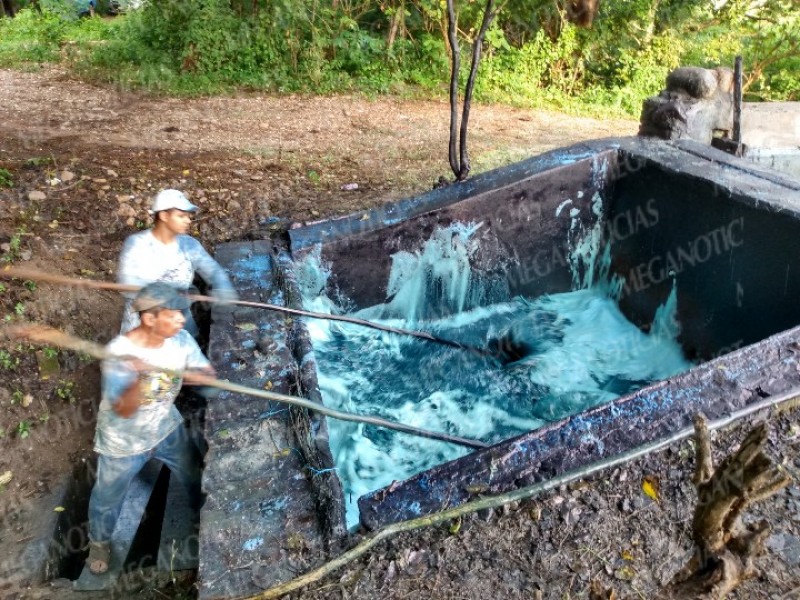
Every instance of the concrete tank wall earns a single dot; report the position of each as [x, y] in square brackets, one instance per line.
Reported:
[734, 262]
[771, 132]
[771, 124]
[740, 223]
[724, 225]
[523, 240]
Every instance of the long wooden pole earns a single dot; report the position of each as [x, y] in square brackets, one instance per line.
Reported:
[35, 275]
[55, 337]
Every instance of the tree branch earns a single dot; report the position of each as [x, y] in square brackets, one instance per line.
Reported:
[488, 16]
[455, 65]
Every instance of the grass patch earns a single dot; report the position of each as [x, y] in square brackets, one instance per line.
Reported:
[6, 179]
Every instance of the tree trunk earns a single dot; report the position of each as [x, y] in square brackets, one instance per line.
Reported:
[8, 7]
[398, 24]
[455, 65]
[580, 12]
[459, 163]
[488, 15]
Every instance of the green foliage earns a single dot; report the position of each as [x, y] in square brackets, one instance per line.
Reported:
[8, 361]
[30, 37]
[24, 429]
[38, 161]
[6, 179]
[14, 246]
[213, 45]
[66, 391]
[772, 57]
[533, 56]
[34, 36]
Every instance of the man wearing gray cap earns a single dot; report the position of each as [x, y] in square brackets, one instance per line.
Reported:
[166, 253]
[137, 419]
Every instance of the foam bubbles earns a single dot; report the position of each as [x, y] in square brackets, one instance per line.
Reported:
[581, 352]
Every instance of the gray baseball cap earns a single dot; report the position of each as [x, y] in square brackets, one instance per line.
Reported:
[162, 295]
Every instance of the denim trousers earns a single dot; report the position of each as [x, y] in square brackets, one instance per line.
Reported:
[114, 476]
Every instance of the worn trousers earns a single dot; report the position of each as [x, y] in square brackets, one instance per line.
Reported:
[114, 476]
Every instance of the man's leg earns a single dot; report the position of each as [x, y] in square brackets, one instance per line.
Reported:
[179, 453]
[114, 476]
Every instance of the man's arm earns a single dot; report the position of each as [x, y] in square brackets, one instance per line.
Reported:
[210, 270]
[121, 385]
[132, 263]
[199, 376]
[128, 401]
[197, 368]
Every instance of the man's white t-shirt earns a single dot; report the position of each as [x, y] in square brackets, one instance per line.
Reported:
[144, 260]
[157, 416]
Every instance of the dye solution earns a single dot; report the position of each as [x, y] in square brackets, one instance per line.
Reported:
[581, 352]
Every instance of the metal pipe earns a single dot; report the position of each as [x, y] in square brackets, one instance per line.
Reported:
[737, 102]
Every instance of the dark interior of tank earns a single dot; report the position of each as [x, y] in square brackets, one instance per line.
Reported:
[734, 261]
[729, 254]
[645, 218]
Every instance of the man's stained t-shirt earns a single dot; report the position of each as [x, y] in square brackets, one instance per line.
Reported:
[157, 416]
[144, 260]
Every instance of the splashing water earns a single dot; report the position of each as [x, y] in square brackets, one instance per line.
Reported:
[581, 352]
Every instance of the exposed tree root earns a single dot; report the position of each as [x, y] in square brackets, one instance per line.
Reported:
[725, 548]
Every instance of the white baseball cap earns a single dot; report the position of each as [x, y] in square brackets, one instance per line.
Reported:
[166, 199]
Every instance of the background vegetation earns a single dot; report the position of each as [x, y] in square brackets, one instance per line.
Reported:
[533, 56]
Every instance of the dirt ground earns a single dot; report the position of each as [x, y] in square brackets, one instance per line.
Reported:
[81, 166]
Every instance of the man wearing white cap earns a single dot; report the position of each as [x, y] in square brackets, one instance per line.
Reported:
[166, 253]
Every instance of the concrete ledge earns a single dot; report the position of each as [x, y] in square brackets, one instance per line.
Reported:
[304, 236]
[260, 518]
[771, 124]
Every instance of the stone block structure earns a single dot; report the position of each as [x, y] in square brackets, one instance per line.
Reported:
[696, 104]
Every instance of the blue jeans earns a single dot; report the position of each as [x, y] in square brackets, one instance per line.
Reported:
[114, 475]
